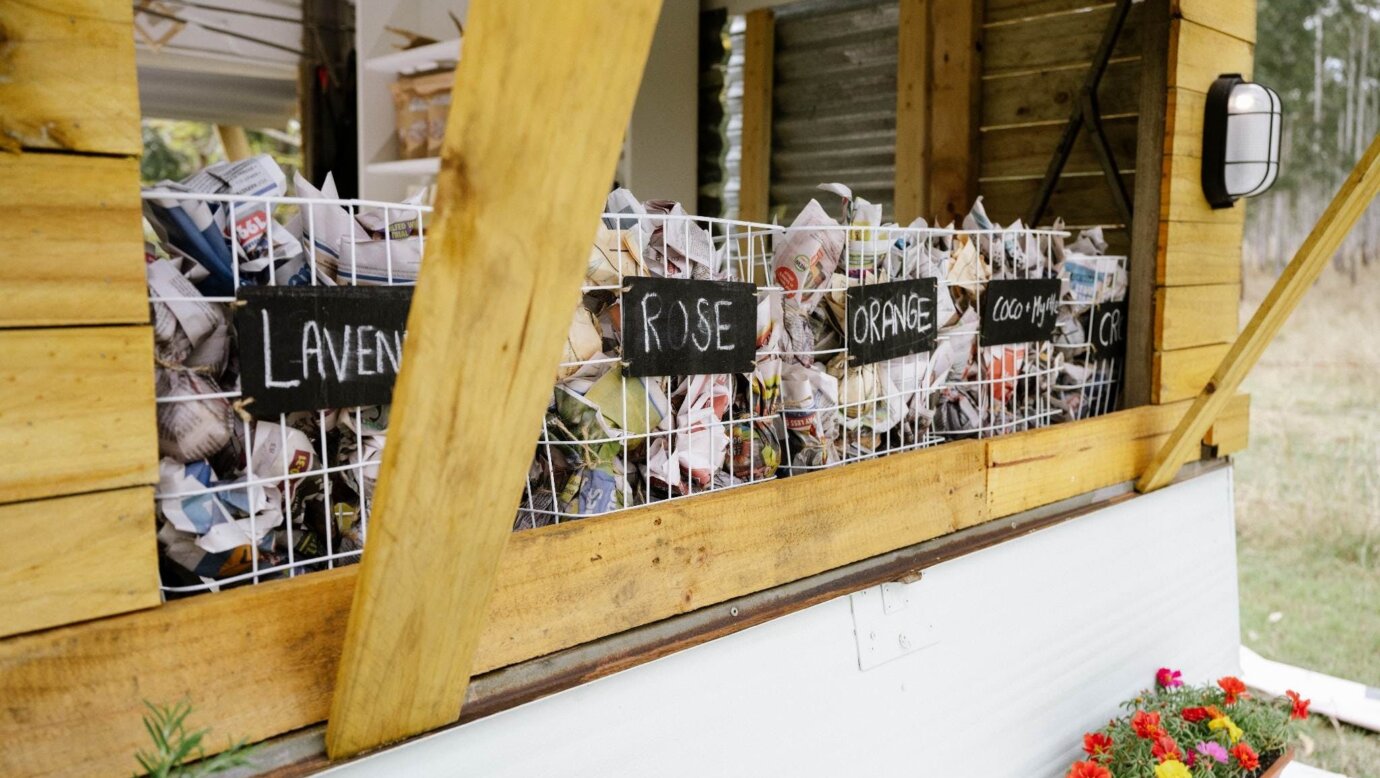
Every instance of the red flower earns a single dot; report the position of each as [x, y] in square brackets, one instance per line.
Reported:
[1245, 756]
[1300, 710]
[1097, 744]
[1146, 725]
[1088, 770]
[1194, 715]
[1233, 687]
[1168, 679]
[1166, 749]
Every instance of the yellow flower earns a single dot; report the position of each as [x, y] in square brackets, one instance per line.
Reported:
[1172, 769]
[1224, 722]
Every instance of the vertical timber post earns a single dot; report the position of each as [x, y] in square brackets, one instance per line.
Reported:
[759, 68]
[542, 96]
[912, 111]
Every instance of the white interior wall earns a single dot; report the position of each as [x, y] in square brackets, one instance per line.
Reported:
[1039, 639]
[662, 138]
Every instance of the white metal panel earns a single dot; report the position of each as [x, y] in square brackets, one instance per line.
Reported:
[1039, 639]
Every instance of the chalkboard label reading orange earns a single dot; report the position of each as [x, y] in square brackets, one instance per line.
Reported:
[1109, 330]
[1020, 311]
[891, 319]
[675, 326]
[308, 348]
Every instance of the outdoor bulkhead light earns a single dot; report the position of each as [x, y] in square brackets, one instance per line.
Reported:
[1241, 131]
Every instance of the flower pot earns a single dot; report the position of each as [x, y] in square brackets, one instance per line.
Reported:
[1277, 769]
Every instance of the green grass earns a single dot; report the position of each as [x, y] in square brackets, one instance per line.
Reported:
[1308, 502]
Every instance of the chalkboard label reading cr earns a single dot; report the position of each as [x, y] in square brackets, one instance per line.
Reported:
[1022, 311]
[307, 348]
[892, 319]
[674, 326]
[1109, 329]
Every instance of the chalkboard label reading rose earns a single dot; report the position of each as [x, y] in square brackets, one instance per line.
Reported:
[307, 348]
[892, 319]
[674, 326]
[1022, 311]
[1108, 334]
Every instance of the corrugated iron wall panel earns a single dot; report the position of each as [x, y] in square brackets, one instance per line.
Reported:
[833, 101]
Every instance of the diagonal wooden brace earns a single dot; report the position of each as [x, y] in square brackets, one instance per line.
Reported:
[1341, 215]
[542, 96]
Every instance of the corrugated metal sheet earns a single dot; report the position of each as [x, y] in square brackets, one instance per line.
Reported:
[834, 100]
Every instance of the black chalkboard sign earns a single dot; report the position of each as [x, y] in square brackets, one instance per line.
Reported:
[674, 326]
[306, 348]
[1108, 336]
[1021, 311]
[892, 319]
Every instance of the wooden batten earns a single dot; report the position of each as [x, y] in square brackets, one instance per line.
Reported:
[70, 559]
[1198, 253]
[260, 661]
[69, 79]
[759, 47]
[1180, 374]
[78, 414]
[1188, 316]
[955, 100]
[1060, 40]
[1232, 17]
[913, 41]
[71, 232]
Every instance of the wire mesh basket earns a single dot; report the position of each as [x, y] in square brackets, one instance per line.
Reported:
[853, 397]
[612, 440]
[992, 388]
[244, 499]
[1090, 337]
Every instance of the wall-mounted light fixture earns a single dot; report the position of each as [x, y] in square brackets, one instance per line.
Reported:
[1241, 131]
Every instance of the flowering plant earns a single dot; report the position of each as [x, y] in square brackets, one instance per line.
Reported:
[1176, 731]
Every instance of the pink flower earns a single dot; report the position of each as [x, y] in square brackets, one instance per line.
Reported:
[1168, 679]
[1211, 749]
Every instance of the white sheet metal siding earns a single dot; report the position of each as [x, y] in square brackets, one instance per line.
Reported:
[1040, 638]
[834, 101]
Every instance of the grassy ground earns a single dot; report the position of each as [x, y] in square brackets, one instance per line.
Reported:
[1308, 500]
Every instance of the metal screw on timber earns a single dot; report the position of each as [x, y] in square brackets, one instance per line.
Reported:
[1341, 215]
[542, 97]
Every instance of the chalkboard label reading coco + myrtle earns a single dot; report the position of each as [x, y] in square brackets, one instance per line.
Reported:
[307, 348]
[674, 326]
[891, 319]
[1019, 311]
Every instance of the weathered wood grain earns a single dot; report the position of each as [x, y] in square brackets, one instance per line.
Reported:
[70, 559]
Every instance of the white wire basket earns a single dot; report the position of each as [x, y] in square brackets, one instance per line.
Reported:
[840, 405]
[611, 441]
[1090, 339]
[240, 499]
[997, 389]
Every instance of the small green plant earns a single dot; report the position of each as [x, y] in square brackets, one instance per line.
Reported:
[177, 753]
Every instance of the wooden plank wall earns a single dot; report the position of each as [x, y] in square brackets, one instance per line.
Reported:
[77, 424]
[1035, 57]
[1198, 278]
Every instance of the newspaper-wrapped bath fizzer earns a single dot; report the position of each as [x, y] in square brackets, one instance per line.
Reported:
[806, 257]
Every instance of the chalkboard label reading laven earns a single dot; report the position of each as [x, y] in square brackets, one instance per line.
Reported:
[892, 319]
[674, 326]
[1109, 330]
[1020, 311]
[307, 348]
